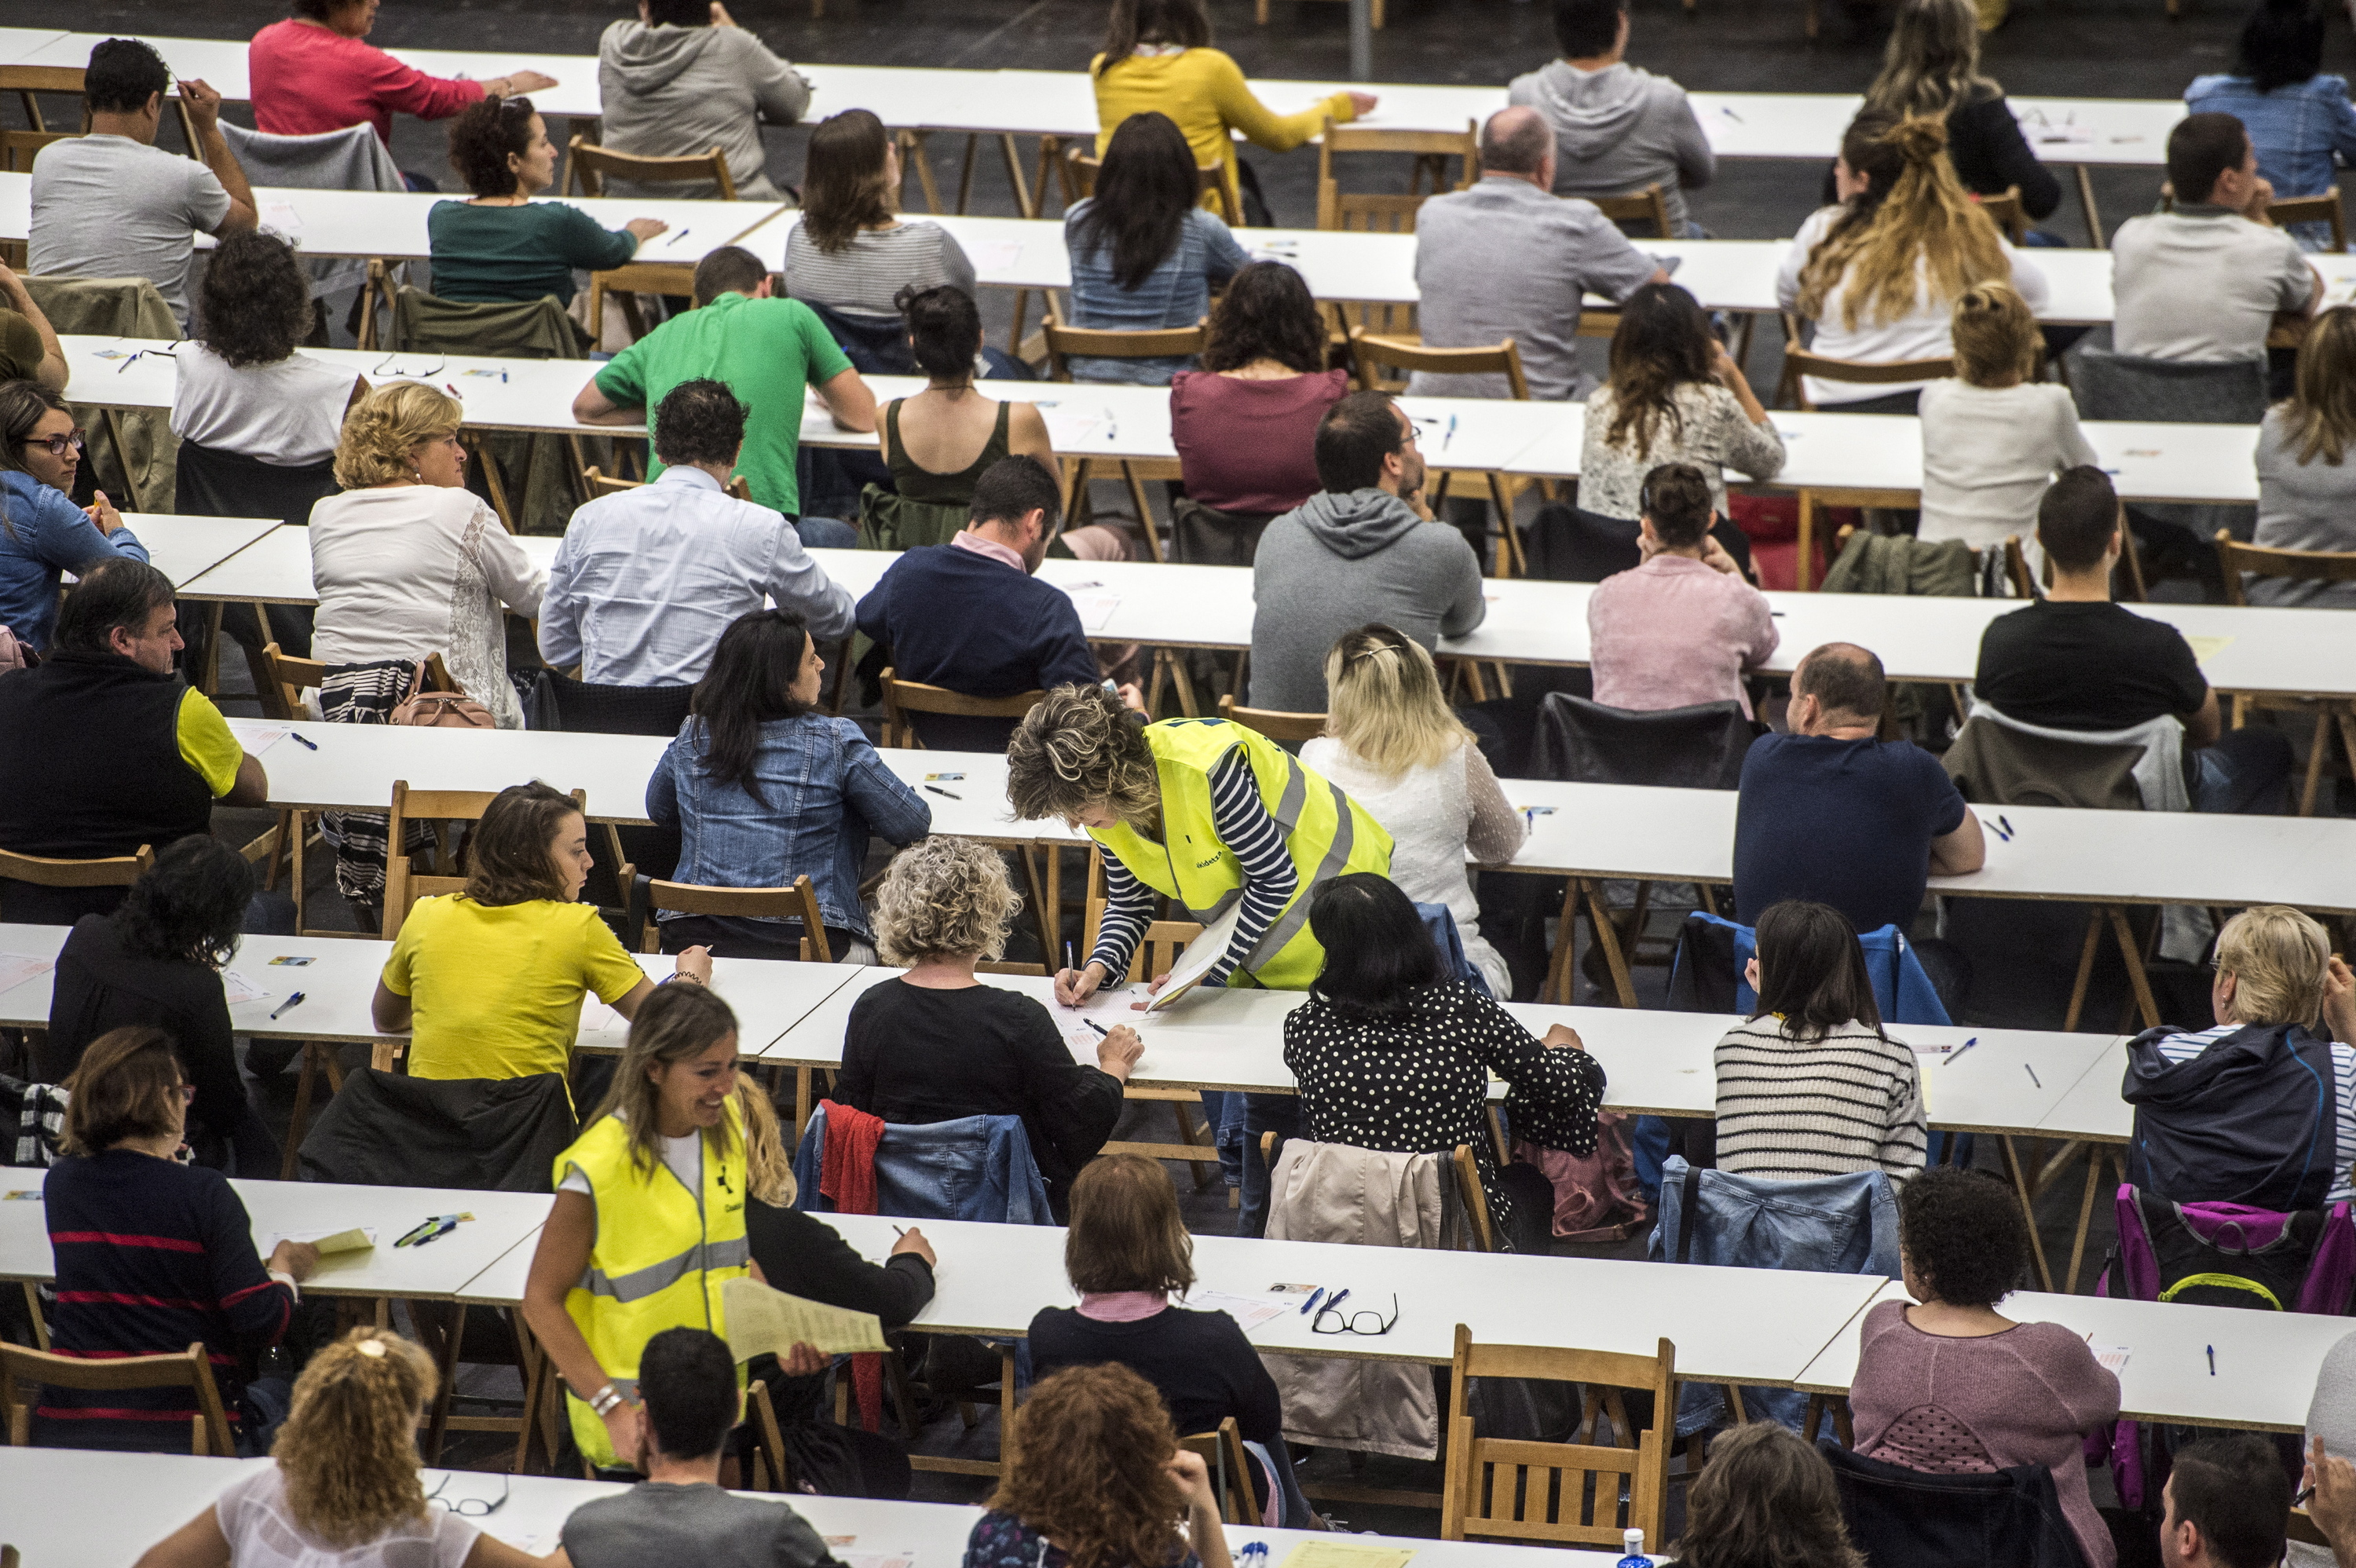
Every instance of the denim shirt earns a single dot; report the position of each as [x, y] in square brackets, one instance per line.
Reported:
[45, 534]
[2295, 129]
[1177, 292]
[823, 791]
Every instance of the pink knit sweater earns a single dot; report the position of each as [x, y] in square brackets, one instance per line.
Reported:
[2028, 1395]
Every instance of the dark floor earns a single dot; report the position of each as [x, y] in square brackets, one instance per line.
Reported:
[2067, 46]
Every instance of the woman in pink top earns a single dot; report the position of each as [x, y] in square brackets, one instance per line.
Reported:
[1683, 628]
[1245, 424]
[1951, 1387]
[316, 71]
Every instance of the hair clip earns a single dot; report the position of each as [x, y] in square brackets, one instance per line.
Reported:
[370, 1347]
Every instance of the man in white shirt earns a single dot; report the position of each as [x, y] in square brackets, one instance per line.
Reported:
[644, 581]
[2207, 281]
[111, 204]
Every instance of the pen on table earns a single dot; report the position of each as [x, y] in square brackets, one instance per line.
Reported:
[897, 1231]
[1730, 114]
[2033, 1075]
[289, 1002]
[1316, 1297]
[1960, 1050]
[1992, 828]
[2212, 1360]
[452, 389]
[2006, 822]
[680, 236]
[307, 745]
[950, 792]
[1336, 1299]
[1096, 1026]
[1450, 434]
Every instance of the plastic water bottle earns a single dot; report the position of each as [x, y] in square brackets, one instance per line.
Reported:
[1634, 1541]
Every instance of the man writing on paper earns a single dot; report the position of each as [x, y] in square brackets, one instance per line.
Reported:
[686, 1383]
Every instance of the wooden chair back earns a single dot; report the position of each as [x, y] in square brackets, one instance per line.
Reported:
[902, 697]
[2128, 585]
[1272, 724]
[589, 166]
[106, 872]
[1475, 1198]
[798, 902]
[1157, 950]
[27, 81]
[2234, 559]
[2007, 210]
[1539, 1493]
[1647, 205]
[1064, 343]
[626, 283]
[23, 1371]
[1081, 164]
[1391, 214]
[19, 148]
[2016, 568]
[1368, 351]
[286, 679]
[2285, 210]
[2301, 1527]
[602, 484]
[1224, 1455]
[404, 884]
[1799, 362]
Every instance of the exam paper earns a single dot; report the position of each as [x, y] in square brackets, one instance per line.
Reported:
[1249, 1311]
[1336, 1555]
[15, 969]
[998, 256]
[241, 990]
[762, 1319]
[256, 735]
[1201, 954]
[2113, 1358]
[1096, 609]
[2207, 648]
[357, 1238]
[876, 1559]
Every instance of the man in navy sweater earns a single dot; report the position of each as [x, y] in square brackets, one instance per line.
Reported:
[970, 616]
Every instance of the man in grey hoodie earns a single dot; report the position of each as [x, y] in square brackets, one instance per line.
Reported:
[684, 79]
[1364, 549]
[1617, 128]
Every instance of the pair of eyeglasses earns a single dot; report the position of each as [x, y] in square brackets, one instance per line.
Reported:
[472, 1507]
[391, 366]
[1354, 1323]
[187, 1094]
[57, 446]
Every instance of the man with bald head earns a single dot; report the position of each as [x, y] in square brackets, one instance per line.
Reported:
[1828, 812]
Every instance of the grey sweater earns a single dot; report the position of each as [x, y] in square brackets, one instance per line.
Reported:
[2302, 506]
[674, 92]
[2332, 1417]
[1337, 562]
[1618, 130]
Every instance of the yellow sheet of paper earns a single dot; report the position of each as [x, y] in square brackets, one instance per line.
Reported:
[2206, 649]
[352, 1241]
[762, 1319]
[1334, 1554]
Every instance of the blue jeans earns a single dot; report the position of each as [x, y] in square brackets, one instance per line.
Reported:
[1277, 1114]
[825, 533]
[1223, 1112]
[2247, 771]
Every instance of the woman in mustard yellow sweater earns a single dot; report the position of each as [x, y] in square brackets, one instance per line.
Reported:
[1157, 57]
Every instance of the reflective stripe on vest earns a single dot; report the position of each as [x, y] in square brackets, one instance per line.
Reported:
[1326, 832]
[639, 1284]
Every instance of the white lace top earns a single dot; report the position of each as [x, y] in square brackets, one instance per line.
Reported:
[405, 570]
[1436, 817]
[263, 1533]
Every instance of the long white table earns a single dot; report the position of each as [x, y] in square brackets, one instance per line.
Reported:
[182, 548]
[43, 1494]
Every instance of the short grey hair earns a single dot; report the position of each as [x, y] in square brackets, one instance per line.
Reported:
[1515, 141]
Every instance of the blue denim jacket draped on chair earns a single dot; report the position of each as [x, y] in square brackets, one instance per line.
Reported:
[2295, 129]
[976, 1168]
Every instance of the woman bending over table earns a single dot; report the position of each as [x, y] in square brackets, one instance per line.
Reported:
[500, 246]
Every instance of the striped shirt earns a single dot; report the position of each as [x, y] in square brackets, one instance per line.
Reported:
[151, 1257]
[2185, 1046]
[1250, 834]
[862, 278]
[1789, 1109]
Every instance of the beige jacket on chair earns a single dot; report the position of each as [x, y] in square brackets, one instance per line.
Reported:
[137, 472]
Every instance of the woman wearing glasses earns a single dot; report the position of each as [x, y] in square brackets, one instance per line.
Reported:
[151, 1253]
[346, 1487]
[42, 532]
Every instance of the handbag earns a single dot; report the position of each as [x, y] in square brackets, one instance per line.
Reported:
[439, 709]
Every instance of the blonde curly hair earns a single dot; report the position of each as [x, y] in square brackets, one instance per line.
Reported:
[348, 1448]
[382, 428]
[1079, 747]
[944, 898]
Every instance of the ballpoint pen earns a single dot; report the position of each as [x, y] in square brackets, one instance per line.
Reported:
[950, 792]
[680, 236]
[1096, 1026]
[2212, 1360]
[2006, 822]
[1316, 1297]
[292, 1001]
[1959, 1050]
[306, 743]
[1450, 434]
[2033, 1075]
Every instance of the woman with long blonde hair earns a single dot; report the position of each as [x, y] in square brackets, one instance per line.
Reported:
[1393, 742]
[1879, 272]
[346, 1486]
[1931, 66]
[2306, 476]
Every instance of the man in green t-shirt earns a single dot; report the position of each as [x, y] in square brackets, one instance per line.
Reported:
[766, 350]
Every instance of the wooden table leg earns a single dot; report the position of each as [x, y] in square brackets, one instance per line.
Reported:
[2097, 1156]
[2086, 197]
[2085, 970]
[209, 679]
[1599, 921]
[2028, 1213]
[1005, 1401]
[2131, 951]
[454, 1336]
[1556, 992]
[803, 1105]
[535, 1389]
[1055, 853]
[1025, 202]
[303, 1089]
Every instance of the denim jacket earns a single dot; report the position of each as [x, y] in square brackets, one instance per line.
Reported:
[44, 534]
[2295, 129]
[976, 1168]
[823, 791]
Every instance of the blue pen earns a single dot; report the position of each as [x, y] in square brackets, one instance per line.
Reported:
[307, 745]
[2006, 822]
[1450, 433]
[1999, 832]
[1960, 1050]
[2212, 1360]
[1336, 1301]
[1316, 1297]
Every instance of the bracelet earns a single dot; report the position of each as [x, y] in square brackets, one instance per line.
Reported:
[678, 975]
[605, 1401]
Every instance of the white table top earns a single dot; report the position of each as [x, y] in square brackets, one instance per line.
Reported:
[391, 224]
[151, 1495]
[2114, 131]
[276, 568]
[182, 548]
[2105, 857]
[441, 1269]
[2266, 1362]
[2093, 1108]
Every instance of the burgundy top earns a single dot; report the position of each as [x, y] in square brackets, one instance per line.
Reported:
[2026, 1396]
[1250, 447]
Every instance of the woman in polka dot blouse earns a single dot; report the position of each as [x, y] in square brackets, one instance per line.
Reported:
[1392, 1055]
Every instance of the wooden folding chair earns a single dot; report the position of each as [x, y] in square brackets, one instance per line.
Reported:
[104, 871]
[626, 283]
[903, 697]
[2284, 210]
[798, 902]
[1562, 1494]
[1799, 362]
[404, 884]
[1081, 164]
[1271, 722]
[1067, 343]
[19, 148]
[1475, 1197]
[1647, 205]
[599, 484]
[1368, 351]
[2126, 578]
[589, 166]
[2237, 559]
[2007, 210]
[1230, 1462]
[23, 1371]
[1157, 951]
[1430, 149]
[280, 690]
[28, 81]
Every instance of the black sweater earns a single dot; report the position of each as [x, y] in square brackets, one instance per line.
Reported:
[803, 1255]
[101, 985]
[1200, 1363]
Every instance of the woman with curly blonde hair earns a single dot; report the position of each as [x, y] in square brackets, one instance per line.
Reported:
[1208, 813]
[1879, 272]
[937, 1044]
[345, 1487]
[1095, 1478]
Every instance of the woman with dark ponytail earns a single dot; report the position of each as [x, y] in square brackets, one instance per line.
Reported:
[2296, 117]
[938, 442]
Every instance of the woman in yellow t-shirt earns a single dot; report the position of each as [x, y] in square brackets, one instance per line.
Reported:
[1157, 57]
[488, 981]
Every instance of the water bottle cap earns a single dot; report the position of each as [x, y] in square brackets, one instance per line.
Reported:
[1632, 1541]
